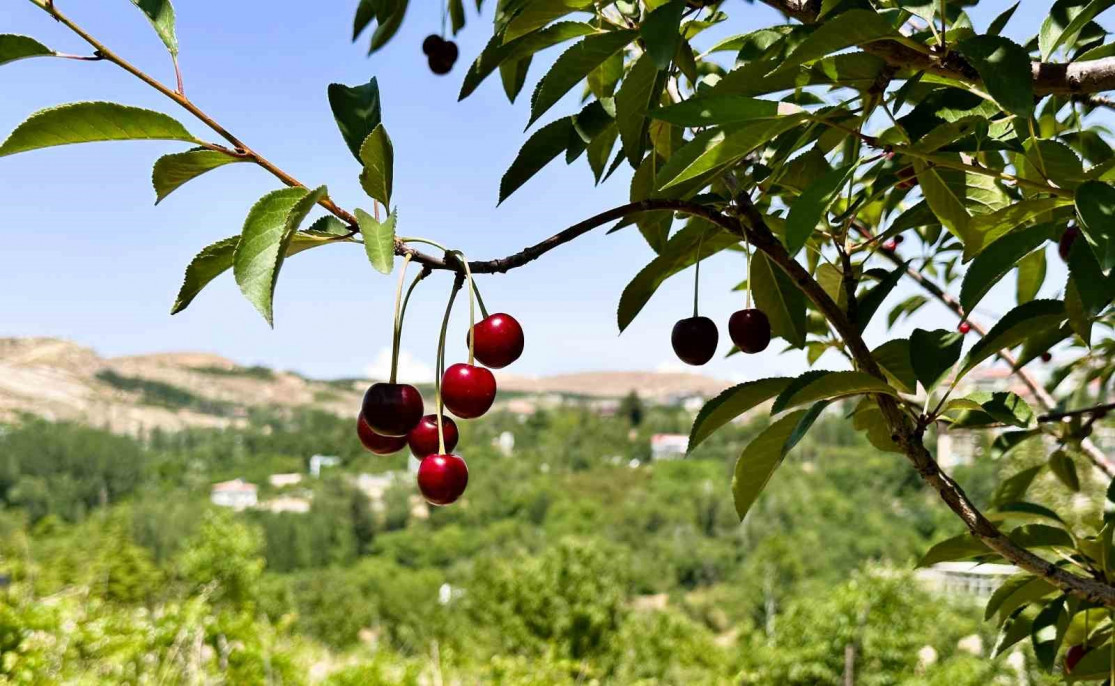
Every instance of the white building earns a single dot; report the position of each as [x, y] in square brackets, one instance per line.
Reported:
[284, 480]
[319, 461]
[668, 446]
[965, 578]
[237, 494]
[286, 504]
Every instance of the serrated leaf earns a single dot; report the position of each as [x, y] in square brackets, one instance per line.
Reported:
[1088, 278]
[456, 15]
[1031, 276]
[933, 353]
[207, 265]
[989, 229]
[161, 15]
[379, 240]
[640, 89]
[573, 66]
[378, 157]
[1004, 67]
[1064, 469]
[872, 300]
[174, 170]
[869, 419]
[997, 260]
[1024, 321]
[947, 206]
[390, 16]
[1014, 488]
[763, 455]
[851, 28]
[679, 253]
[1000, 22]
[538, 13]
[267, 233]
[825, 385]
[1003, 406]
[807, 211]
[1095, 206]
[15, 47]
[357, 110]
[731, 404]
[88, 122]
[894, 358]
[660, 32]
[513, 75]
[777, 296]
[499, 52]
[722, 110]
[1066, 20]
[543, 146]
[962, 547]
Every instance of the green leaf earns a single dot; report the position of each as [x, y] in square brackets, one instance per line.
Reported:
[731, 404]
[1064, 469]
[379, 240]
[962, 547]
[513, 75]
[825, 385]
[678, 254]
[854, 27]
[660, 32]
[543, 146]
[1014, 488]
[1066, 19]
[573, 66]
[538, 13]
[1088, 278]
[378, 157]
[640, 89]
[869, 419]
[89, 122]
[933, 353]
[872, 300]
[1095, 206]
[1031, 276]
[206, 266]
[988, 229]
[14, 47]
[1004, 67]
[267, 234]
[172, 171]
[161, 15]
[1018, 590]
[997, 260]
[722, 110]
[944, 201]
[1003, 407]
[895, 361]
[718, 148]
[807, 211]
[1024, 321]
[777, 296]
[1000, 22]
[1080, 319]
[1042, 536]
[390, 17]
[763, 455]
[499, 52]
[456, 15]
[357, 110]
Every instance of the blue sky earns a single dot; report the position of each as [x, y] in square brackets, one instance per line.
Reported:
[87, 256]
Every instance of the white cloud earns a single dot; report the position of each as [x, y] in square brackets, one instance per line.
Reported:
[411, 369]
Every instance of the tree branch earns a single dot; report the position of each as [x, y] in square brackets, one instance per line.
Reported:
[1097, 411]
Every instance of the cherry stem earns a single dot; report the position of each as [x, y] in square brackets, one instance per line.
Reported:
[480, 302]
[471, 303]
[426, 241]
[398, 320]
[439, 365]
[747, 250]
[403, 313]
[697, 274]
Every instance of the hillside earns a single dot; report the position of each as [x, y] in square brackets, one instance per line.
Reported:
[59, 379]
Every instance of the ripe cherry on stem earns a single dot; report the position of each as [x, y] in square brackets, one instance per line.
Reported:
[442, 478]
[376, 443]
[425, 439]
[749, 328]
[694, 339]
[467, 389]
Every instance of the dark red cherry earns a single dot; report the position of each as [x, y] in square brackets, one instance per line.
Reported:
[1073, 656]
[898, 239]
[891, 245]
[1064, 246]
[964, 328]
[392, 409]
[431, 44]
[499, 340]
[1046, 357]
[449, 51]
[380, 445]
[749, 330]
[694, 340]
[443, 57]
[442, 478]
[908, 178]
[423, 438]
[468, 390]
[439, 66]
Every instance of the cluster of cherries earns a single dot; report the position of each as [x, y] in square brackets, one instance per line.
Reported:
[695, 338]
[441, 54]
[392, 415]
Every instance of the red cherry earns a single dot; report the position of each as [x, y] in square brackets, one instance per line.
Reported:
[392, 409]
[432, 43]
[442, 478]
[423, 438]
[908, 178]
[964, 328]
[898, 239]
[749, 330]
[1046, 357]
[499, 340]
[1073, 656]
[891, 245]
[380, 445]
[468, 390]
[1064, 246]
[694, 340]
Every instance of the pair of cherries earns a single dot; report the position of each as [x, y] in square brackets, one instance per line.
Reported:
[695, 338]
[392, 415]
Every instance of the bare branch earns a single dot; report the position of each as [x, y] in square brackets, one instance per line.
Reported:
[1097, 411]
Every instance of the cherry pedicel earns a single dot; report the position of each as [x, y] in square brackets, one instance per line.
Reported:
[750, 330]
[497, 340]
[964, 328]
[376, 443]
[442, 478]
[423, 439]
[694, 340]
[468, 390]
[392, 409]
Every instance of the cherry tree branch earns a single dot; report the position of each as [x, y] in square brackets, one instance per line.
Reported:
[1097, 411]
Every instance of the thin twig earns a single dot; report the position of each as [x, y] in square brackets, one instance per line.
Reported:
[1097, 410]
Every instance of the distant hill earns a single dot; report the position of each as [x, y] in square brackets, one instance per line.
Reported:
[61, 380]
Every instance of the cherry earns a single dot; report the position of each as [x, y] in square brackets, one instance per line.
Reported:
[442, 58]
[468, 390]
[964, 328]
[1064, 246]
[891, 245]
[423, 438]
[908, 178]
[498, 340]
[1073, 657]
[431, 44]
[442, 478]
[1046, 357]
[392, 409]
[749, 330]
[380, 445]
[694, 340]
[898, 239]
